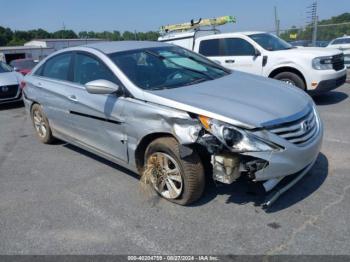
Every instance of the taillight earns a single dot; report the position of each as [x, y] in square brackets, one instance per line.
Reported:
[22, 85]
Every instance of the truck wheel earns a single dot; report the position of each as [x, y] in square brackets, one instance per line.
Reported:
[291, 78]
[178, 180]
[41, 125]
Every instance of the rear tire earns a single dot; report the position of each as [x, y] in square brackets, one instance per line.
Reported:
[190, 186]
[41, 125]
[292, 79]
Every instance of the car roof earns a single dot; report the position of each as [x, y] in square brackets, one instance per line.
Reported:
[231, 34]
[120, 46]
[22, 59]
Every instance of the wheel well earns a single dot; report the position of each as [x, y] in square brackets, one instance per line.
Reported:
[287, 69]
[31, 106]
[142, 146]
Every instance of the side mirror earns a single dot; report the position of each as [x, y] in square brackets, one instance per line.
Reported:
[257, 53]
[102, 87]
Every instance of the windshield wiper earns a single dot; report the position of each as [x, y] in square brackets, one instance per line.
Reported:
[181, 66]
[196, 81]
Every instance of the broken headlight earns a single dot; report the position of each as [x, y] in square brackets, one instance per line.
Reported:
[236, 139]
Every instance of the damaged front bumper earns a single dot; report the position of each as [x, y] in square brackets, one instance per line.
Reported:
[284, 185]
[269, 168]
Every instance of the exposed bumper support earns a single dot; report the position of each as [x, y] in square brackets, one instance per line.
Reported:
[280, 189]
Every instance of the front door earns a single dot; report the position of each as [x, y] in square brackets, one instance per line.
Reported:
[98, 117]
[233, 53]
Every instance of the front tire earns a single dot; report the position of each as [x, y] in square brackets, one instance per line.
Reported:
[292, 79]
[41, 125]
[178, 180]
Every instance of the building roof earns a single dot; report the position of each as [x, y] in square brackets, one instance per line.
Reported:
[120, 46]
[68, 39]
[21, 47]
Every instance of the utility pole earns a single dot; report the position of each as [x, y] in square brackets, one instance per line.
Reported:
[63, 30]
[312, 11]
[277, 22]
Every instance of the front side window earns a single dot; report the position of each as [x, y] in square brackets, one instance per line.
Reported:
[57, 67]
[270, 42]
[88, 68]
[237, 47]
[166, 67]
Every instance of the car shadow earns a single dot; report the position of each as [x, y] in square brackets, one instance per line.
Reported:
[101, 160]
[10, 106]
[243, 191]
[330, 98]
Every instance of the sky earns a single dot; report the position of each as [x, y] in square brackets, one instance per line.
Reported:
[146, 15]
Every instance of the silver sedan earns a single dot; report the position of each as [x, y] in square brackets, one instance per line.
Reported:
[174, 117]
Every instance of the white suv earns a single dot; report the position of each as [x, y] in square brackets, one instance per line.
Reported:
[313, 69]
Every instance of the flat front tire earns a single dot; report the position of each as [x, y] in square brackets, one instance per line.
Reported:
[179, 180]
[41, 125]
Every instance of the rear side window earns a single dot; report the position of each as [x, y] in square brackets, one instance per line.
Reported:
[88, 68]
[57, 67]
[210, 47]
[226, 47]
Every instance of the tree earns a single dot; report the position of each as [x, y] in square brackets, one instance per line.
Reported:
[335, 29]
[5, 35]
[64, 34]
[19, 37]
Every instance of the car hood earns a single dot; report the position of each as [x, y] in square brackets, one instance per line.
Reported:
[341, 47]
[312, 51]
[240, 99]
[9, 78]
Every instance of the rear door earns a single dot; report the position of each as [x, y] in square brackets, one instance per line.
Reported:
[98, 118]
[50, 87]
[233, 53]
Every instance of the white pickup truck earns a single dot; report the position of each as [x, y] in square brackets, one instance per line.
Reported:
[315, 70]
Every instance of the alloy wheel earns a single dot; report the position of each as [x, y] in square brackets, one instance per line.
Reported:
[166, 175]
[39, 123]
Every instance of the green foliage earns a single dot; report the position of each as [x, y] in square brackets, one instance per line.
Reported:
[9, 37]
[334, 30]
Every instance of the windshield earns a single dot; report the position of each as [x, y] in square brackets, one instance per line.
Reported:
[23, 64]
[166, 67]
[4, 68]
[270, 42]
[340, 41]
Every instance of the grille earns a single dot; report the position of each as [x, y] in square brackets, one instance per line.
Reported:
[8, 91]
[300, 131]
[338, 62]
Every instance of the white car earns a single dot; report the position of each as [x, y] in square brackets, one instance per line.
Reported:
[10, 80]
[343, 44]
[315, 70]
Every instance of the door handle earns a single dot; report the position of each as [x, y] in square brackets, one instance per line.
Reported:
[73, 98]
[230, 61]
